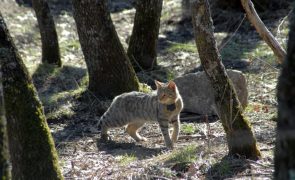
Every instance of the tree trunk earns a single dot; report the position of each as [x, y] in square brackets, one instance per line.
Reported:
[110, 71]
[285, 142]
[31, 146]
[142, 48]
[186, 9]
[49, 39]
[265, 34]
[4, 157]
[240, 138]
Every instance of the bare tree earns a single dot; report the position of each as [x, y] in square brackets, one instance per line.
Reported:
[109, 68]
[285, 139]
[31, 147]
[240, 138]
[142, 48]
[50, 47]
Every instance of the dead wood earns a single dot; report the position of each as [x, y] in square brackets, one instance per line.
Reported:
[264, 33]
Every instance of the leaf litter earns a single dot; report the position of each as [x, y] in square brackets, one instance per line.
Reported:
[83, 156]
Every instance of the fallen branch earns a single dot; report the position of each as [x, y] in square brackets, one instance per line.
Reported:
[195, 136]
[260, 164]
[265, 34]
[159, 177]
[191, 117]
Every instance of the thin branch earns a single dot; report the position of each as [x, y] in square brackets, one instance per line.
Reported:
[196, 136]
[265, 34]
[234, 33]
[282, 22]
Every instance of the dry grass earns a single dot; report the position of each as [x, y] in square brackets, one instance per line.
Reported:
[75, 113]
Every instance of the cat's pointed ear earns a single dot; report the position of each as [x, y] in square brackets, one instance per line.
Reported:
[172, 85]
[158, 84]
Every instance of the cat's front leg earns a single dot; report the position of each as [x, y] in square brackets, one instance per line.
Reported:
[176, 128]
[164, 126]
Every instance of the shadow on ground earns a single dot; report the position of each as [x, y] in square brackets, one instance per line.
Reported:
[132, 149]
[227, 167]
[58, 87]
[240, 36]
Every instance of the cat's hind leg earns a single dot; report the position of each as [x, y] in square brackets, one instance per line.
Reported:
[132, 129]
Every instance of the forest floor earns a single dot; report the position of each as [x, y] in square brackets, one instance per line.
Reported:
[201, 153]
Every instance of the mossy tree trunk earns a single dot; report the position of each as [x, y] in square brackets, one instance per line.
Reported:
[142, 48]
[49, 39]
[4, 156]
[32, 150]
[285, 139]
[109, 68]
[240, 138]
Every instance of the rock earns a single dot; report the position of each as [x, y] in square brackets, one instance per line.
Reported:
[197, 92]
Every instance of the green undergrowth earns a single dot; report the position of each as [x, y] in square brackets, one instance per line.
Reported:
[188, 128]
[252, 49]
[227, 167]
[184, 155]
[70, 45]
[126, 159]
[58, 87]
[180, 160]
[170, 75]
[187, 47]
[59, 105]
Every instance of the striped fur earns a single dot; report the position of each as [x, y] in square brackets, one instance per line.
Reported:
[134, 109]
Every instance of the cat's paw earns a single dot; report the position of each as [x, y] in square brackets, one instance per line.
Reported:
[143, 139]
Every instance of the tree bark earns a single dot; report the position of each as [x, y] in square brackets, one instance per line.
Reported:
[49, 39]
[142, 48]
[240, 138]
[4, 157]
[31, 146]
[265, 34]
[110, 71]
[285, 139]
[186, 9]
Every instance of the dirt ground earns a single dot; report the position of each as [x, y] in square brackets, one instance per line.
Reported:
[201, 153]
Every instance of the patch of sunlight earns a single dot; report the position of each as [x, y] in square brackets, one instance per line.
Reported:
[187, 47]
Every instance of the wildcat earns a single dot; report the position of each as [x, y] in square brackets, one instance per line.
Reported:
[134, 109]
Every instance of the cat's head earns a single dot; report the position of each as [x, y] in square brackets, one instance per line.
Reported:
[167, 92]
